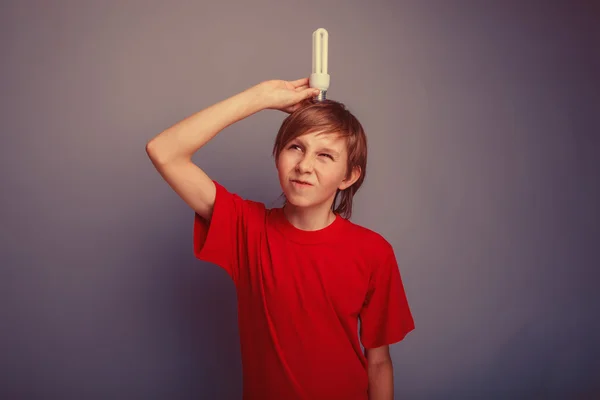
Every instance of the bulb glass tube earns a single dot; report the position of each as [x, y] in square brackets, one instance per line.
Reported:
[319, 78]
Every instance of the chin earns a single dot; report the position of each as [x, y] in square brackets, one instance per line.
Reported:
[297, 201]
[302, 203]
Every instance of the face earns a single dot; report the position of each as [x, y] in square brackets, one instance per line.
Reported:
[312, 168]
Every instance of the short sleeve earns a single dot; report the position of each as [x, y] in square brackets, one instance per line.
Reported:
[224, 240]
[385, 316]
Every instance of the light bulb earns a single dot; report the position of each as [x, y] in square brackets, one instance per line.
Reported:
[319, 78]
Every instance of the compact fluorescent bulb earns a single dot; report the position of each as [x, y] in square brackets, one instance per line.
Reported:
[319, 78]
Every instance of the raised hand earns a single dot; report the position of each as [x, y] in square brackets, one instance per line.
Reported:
[285, 95]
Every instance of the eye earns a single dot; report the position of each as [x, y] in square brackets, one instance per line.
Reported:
[294, 146]
[327, 155]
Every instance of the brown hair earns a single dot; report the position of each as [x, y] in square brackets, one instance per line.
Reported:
[329, 117]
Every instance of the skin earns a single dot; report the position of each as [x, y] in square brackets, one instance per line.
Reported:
[381, 373]
[321, 160]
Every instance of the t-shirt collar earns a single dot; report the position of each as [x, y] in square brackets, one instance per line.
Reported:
[330, 233]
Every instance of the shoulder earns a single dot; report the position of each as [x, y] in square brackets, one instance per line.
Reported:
[239, 204]
[368, 241]
[225, 192]
[372, 238]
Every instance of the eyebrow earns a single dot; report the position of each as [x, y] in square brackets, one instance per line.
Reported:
[326, 149]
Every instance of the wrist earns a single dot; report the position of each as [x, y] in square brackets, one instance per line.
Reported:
[256, 97]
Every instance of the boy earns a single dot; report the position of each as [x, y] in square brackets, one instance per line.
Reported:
[304, 274]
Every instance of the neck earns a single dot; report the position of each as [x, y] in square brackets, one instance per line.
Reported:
[308, 219]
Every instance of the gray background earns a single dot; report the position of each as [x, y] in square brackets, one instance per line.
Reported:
[483, 123]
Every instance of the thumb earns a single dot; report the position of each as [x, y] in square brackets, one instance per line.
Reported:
[310, 92]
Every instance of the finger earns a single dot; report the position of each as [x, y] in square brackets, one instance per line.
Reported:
[301, 88]
[300, 82]
[310, 93]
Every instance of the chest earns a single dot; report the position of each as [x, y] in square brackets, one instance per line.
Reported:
[309, 278]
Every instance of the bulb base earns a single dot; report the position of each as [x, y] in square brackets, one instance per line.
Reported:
[319, 81]
[321, 96]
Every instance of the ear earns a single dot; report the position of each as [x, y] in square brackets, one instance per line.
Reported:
[346, 183]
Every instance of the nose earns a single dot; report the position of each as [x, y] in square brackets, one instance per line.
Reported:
[305, 164]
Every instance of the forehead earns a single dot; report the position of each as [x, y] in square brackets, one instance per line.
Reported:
[332, 140]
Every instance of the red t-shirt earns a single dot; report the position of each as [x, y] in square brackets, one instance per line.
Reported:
[300, 295]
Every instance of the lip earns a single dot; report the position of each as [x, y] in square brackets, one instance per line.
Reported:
[301, 183]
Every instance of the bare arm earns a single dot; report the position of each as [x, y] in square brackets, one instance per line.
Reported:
[171, 151]
[183, 139]
[381, 373]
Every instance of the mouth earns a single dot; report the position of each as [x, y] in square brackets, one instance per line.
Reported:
[302, 183]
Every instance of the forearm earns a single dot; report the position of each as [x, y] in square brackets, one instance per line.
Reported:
[186, 137]
[381, 381]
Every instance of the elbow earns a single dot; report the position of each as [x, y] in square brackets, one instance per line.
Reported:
[157, 155]
[153, 153]
[164, 153]
[151, 149]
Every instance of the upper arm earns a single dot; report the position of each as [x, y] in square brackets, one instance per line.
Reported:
[385, 316]
[378, 355]
[190, 182]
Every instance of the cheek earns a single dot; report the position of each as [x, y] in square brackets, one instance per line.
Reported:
[284, 165]
[330, 176]
[286, 162]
